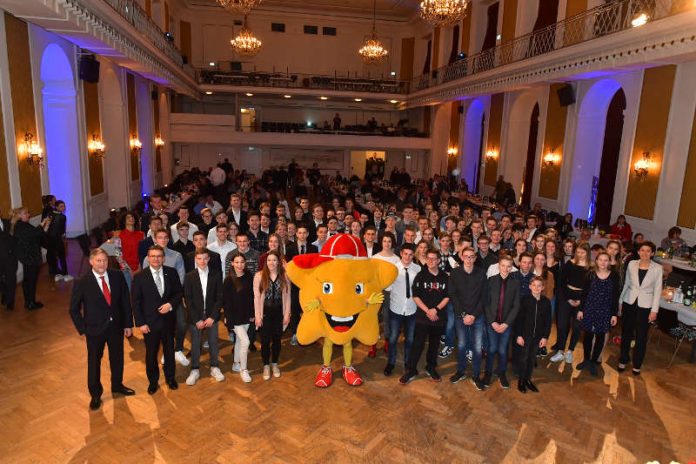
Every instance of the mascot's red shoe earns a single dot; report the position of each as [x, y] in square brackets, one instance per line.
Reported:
[324, 376]
[351, 376]
[373, 352]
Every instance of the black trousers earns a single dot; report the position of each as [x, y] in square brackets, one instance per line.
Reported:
[271, 332]
[295, 309]
[55, 256]
[566, 320]
[432, 334]
[29, 281]
[113, 337]
[8, 279]
[590, 353]
[181, 327]
[526, 357]
[153, 340]
[635, 326]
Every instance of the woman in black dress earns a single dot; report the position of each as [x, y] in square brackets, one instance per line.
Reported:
[598, 307]
[238, 303]
[28, 252]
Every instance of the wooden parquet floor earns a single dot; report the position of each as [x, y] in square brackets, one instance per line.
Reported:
[44, 415]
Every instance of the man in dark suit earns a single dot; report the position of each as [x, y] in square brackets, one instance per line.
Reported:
[8, 266]
[203, 295]
[156, 294]
[100, 309]
[236, 213]
[501, 308]
[370, 241]
[201, 241]
[301, 246]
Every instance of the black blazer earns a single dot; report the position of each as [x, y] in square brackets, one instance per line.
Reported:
[6, 242]
[146, 298]
[511, 302]
[292, 250]
[214, 263]
[243, 216]
[28, 243]
[193, 294]
[376, 247]
[88, 308]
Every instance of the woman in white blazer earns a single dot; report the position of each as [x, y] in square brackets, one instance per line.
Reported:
[640, 301]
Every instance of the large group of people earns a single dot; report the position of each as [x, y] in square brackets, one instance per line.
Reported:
[485, 279]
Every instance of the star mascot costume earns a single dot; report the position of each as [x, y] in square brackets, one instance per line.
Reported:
[340, 295]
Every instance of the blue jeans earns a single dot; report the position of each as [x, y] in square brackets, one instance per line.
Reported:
[470, 337]
[395, 323]
[449, 328]
[497, 344]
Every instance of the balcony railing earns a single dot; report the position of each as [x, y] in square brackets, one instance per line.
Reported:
[597, 22]
[134, 14]
[289, 80]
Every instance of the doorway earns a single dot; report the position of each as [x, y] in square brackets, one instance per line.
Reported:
[526, 189]
[610, 159]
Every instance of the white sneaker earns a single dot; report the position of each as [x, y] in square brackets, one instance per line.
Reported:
[266, 372]
[193, 377]
[293, 340]
[246, 378]
[569, 357]
[216, 374]
[206, 345]
[58, 278]
[276, 370]
[236, 367]
[180, 357]
[68, 278]
[557, 357]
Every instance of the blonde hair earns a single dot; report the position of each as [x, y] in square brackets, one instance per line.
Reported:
[16, 213]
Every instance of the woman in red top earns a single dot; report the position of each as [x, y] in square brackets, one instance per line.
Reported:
[130, 238]
[623, 229]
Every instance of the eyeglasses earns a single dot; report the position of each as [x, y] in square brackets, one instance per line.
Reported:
[469, 256]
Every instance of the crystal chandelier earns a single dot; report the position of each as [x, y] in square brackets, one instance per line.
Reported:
[373, 51]
[239, 6]
[443, 12]
[246, 43]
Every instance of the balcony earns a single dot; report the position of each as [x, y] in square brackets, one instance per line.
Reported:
[535, 56]
[222, 74]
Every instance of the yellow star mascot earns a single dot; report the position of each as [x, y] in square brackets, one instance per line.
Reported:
[340, 295]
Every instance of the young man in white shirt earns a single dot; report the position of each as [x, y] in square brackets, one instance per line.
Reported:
[183, 217]
[402, 307]
[222, 246]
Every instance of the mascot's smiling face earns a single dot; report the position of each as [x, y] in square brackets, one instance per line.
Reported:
[339, 296]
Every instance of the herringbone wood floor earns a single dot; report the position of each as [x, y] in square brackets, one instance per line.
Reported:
[44, 416]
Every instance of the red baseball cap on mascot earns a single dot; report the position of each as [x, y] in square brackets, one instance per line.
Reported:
[340, 246]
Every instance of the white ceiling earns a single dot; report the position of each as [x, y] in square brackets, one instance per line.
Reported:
[387, 9]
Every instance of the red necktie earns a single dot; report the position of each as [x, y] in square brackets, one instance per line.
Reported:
[105, 289]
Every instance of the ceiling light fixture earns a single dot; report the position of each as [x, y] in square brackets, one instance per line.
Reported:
[393, 101]
[323, 98]
[239, 6]
[358, 99]
[246, 43]
[208, 92]
[249, 94]
[287, 96]
[443, 12]
[373, 51]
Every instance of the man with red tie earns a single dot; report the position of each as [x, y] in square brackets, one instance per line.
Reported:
[100, 309]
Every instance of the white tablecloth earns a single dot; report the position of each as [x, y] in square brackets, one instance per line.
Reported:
[684, 314]
[677, 263]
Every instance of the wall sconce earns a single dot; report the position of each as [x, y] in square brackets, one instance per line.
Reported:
[135, 144]
[642, 166]
[491, 155]
[640, 20]
[33, 150]
[159, 142]
[452, 152]
[96, 147]
[551, 159]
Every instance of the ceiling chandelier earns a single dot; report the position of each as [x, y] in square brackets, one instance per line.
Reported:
[373, 51]
[239, 6]
[443, 12]
[246, 43]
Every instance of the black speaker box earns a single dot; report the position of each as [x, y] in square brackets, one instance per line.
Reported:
[566, 95]
[89, 69]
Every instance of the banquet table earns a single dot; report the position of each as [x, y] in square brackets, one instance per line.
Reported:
[682, 264]
[686, 315]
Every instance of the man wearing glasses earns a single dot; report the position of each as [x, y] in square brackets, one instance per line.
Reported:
[467, 290]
